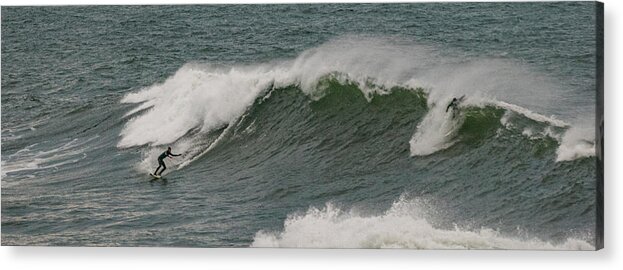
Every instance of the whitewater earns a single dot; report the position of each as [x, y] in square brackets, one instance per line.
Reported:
[204, 98]
[200, 98]
[403, 225]
[324, 126]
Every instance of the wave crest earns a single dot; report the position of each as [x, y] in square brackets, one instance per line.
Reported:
[200, 99]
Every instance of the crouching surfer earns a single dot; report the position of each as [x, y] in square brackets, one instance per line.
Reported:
[454, 104]
[161, 160]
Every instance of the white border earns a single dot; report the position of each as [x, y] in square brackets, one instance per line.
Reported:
[189, 258]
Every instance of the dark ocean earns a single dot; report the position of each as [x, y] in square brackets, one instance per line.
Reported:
[319, 125]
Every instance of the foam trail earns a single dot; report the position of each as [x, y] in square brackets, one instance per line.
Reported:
[28, 160]
[210, 147]
[402, 226]
[435, 132]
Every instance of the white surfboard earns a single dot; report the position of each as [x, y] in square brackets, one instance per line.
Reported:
[155, 176]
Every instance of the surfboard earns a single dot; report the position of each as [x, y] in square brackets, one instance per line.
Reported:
[461, 98]
[155, 176]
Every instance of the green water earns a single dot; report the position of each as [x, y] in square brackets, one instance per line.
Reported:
[300, 125]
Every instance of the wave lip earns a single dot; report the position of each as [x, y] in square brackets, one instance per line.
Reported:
[402, 226]
[194, 97]
[209, 97]
[202, 98]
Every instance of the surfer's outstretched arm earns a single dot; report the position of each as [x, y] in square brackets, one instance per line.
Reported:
[161, 158]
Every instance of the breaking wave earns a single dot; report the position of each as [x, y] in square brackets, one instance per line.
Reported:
[202, 100]
[404, 225]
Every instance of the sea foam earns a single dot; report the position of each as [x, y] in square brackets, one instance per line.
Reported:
[402, 226]
[208, 97]
[201, 98]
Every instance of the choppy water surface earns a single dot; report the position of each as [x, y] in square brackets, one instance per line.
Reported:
[300, 125]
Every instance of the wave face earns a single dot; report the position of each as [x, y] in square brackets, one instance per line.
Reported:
[328, 134]
[199, 98]
[327, 116]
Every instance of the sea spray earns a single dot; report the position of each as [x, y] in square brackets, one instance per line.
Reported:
[436, 132]
[403, 225]
[195, 97]
[204, 97]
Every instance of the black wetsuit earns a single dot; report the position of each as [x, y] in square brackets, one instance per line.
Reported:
[161, 161]
[452, 104]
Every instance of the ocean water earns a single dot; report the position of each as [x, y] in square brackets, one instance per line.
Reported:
[319, 126]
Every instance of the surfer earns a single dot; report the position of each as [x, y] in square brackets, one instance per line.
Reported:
[454, 103]
[161, 160]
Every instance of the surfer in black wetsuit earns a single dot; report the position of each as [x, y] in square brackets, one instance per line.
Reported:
[453, 104]
[161, 160]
